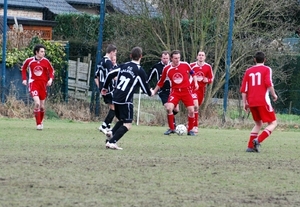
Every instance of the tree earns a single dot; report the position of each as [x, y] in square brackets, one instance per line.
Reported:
[191, 26]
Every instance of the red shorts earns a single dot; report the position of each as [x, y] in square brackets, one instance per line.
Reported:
[266, 113]
[38, 88]
[199, 95]
[183, 94]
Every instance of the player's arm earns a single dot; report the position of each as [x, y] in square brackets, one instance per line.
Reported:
[110, 76]
[273, 94]
[143, 82]
[51, 73]
[160, 82]
[243, 91]
[269, 83]
[24, 72]
[192, 73]
[210, 76]
[245, 103]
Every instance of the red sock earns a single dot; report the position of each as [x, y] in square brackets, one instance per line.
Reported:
[191, 121]
[252, 137]
[264, 135]
[196, 118]
[37, 115]
[42, 114]
[171, 121]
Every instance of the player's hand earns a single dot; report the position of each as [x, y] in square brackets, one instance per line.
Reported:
[24, 82]
[205, 80]
[275, 97]
[152, 92]
[104, 91]
[196, 86]
[49, 83]
[246, 108]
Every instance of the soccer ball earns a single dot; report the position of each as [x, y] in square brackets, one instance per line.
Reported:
[181, 129]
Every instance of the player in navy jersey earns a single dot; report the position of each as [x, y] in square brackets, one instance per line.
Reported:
[256, 86]
[103, 68]
[41, 75]
[163, 92]
[130, 76]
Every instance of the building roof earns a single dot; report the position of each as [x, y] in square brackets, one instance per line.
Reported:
[133, 7]
[23, 3]
[58, 6]
[85, 2]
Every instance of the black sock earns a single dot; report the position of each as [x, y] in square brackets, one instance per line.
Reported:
[109, 118]
[116, 127]
[119, 134]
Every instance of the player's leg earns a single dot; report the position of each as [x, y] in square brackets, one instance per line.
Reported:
[196, 109]
[126, 115]
[255, 130]
[37, 112]
[268, 115]
[42, 112]
[42, 96]
[110, 115]
[164, 95]
[187, 99]
[34, 92]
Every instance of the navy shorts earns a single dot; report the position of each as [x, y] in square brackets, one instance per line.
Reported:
[124, 112]
[164, 95]
[107, 98]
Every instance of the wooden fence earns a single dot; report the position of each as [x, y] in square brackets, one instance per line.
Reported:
[79, 77]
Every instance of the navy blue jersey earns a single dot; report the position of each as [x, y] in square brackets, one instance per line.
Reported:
[130, 76]
[156, 72]
[103, 68]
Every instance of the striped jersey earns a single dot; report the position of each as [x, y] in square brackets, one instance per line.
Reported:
[130, 76]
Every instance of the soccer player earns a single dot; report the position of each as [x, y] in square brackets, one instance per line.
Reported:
[41, 75]
[178, 73]
[163, 92]
[256, 86]
[103, 68]
[204, 74]
[130, 75]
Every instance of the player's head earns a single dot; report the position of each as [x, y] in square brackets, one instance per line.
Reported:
[165, 57]
[175, 57]
[201, 56]
[136, 53]
[39, 50]
[114, 60]
[111, 50]
[259, 57]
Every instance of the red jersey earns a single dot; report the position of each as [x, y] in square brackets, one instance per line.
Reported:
[178, 76]
[39, 70]
[201, 72]
[256, 82]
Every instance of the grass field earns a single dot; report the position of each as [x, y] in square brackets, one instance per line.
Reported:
[67, 164]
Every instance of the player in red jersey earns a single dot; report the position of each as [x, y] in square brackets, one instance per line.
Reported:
[256, 86]
[40, 75]
[178, 73]
[204, 74]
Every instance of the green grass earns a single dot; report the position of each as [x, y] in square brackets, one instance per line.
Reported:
[67, 164]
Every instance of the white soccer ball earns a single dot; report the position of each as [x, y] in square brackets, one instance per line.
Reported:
[181, 129]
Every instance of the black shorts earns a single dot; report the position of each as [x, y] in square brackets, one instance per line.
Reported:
[124, 112]
[164, 95]
[107, 98]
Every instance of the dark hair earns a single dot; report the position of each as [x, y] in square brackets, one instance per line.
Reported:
[174, 52]
[111, 48]
[165, 52]
[136, 53]
[37, 48]
[259, 57]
